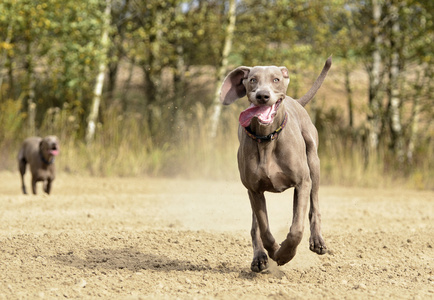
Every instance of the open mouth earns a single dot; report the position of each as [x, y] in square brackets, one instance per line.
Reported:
[54, 151]
[265, 114]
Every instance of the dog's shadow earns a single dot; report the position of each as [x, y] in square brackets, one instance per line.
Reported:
[127, 258]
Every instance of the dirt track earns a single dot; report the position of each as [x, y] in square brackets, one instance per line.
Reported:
[152, 238]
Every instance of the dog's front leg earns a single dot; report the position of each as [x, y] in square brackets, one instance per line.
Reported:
[34, 185]
[289, 245]
[47, 186]
[261, 235]
[260, 258]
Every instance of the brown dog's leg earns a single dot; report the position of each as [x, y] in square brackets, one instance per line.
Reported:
[260, 258]
[260, 221]
[22, 167]
[34, 185]
[289, 245]
[316, 242]
[47, 186]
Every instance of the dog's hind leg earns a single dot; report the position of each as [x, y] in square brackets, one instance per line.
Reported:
[22, 167]
[34, 181]
[316, 241]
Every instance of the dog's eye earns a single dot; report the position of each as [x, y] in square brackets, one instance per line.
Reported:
[253, 80]
[276, 80]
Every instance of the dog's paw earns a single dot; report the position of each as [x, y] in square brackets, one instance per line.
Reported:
[287, 251]
[317, 245]
[260, 262]
[284, 257]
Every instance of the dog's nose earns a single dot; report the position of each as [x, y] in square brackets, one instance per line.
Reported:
[263, 96]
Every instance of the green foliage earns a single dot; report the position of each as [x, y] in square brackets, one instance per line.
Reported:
[11, 135]
[63, 38]
[11, 120]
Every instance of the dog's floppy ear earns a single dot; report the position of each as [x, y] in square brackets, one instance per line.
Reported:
[233, 87]
[43, 144]
[285, 74]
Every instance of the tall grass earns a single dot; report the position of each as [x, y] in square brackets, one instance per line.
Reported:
[178, 144]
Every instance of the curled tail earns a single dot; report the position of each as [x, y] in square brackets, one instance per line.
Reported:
[317, 84]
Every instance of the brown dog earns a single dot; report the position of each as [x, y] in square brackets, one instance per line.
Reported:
[278, 150]
[39, 153]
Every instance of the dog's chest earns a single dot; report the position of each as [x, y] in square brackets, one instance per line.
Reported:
[265, 171]
[45, 173]
[272, 179]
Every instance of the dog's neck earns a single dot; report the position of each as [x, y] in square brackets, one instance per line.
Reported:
[47, 161]
[263, 130]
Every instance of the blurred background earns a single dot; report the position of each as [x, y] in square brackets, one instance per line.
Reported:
[131, 87]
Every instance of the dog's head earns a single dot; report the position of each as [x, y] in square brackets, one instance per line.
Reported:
[49, 146]
[262, 85]
[265, 88]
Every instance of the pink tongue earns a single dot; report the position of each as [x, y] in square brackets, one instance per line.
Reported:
[264, 113]
[54, 152]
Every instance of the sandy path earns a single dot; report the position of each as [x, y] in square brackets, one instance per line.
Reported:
[156, 238]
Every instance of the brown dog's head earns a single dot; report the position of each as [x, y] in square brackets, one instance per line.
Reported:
[49, 147]
[265, 88]
[262, 85]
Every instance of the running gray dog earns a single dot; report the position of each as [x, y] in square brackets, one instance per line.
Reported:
[278, 150]
[39, 153]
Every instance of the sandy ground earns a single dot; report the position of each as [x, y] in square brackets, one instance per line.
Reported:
[147, 238]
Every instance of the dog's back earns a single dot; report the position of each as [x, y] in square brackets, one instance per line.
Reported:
[29, 146]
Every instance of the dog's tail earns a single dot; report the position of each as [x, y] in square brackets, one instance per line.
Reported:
[317, 84]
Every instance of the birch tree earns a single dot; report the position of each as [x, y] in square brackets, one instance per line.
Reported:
[394, 105]
[374, 118]
[93, 115]
[216, 107]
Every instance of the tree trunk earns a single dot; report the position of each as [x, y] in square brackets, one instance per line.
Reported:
[152, 70]
[413, 130]
[154, 67]
[414, 121]
[394, 94]
[349, 96]
[112, 76]
[179, 76]
[374, 119]
[117, 51]
[216, 107]
[11, 78]
[93, 115]
[30, 90]
[127, 84]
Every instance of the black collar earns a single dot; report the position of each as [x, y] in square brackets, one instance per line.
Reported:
[266, 138]
[44, 160]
